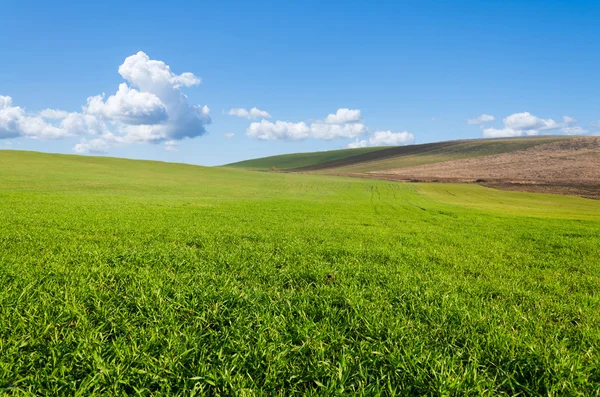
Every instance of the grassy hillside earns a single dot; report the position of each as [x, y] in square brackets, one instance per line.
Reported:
[132, 277]
[296, 160]
[436, 153]
[385, 158]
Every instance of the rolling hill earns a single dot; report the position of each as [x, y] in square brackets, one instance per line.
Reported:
[300, 160]
[549, 164]
[384, 158]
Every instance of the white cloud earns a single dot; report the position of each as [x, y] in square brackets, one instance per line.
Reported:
[154, 79]
[575, 130]
[504, 132]
[149, 108]
[171, 146]
[15, 122]
[128, 106]
[53, 114]
[229, 135]
[94, 146]
[253, 113]
[525, 121]
[332, 131]
[595, 124]
[388, 138]
[343, 115]
[267, 130]
[151, 75]
[5, 102]
[345, 123]
[385, 138]
[481, 119]
[523, 124]
[81, 124]
[10, 118]
[358, 144]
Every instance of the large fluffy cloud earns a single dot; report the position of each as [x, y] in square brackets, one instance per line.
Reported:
[148, 108]
[345, 123]
[525, 123]
[152, 76]
[385, 138]
[253, 113]
[129, 106]
[155, 110]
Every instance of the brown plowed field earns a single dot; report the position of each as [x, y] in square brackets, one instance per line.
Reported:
[570, 166]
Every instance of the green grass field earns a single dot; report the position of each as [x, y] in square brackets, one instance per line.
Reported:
[125, 277]
[296, 160]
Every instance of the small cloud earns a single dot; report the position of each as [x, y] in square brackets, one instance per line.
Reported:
[358, 144]
[505, 132]
[574, 130]
[345, 123]
[5, 102]
[595, 124]
[343, 115]
[253, 113]
[229, 135]
[286, 130]
[525, 123]
[484, 118]
[331, 131]
[385, 138]
[94, 146]
[171, 146]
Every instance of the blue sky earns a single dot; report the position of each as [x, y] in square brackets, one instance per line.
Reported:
[417, 71]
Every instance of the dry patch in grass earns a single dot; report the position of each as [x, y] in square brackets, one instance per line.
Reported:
[565, 167]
